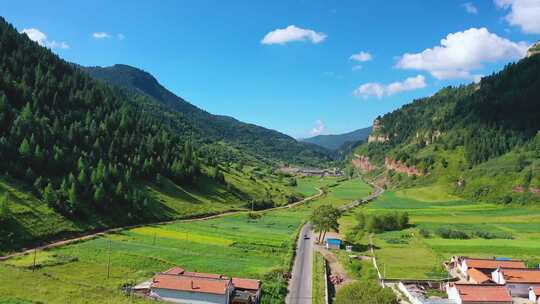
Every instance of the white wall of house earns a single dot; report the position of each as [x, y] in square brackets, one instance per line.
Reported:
[533, 297]
[498, 277]
[464, 267]
[188, 297]
[453, 294]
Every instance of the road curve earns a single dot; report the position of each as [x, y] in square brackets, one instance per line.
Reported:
[300, 284]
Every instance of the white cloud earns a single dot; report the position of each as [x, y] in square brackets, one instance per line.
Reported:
[470, 8]
[120, 36]
[292, 33]
[40, 37]
[379, 90]
[523, 13]
[361, 57]
[318, 129]
[462, 52]
[101, 35]
[411, 83]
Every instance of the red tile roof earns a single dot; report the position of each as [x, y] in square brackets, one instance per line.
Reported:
[175, 271]
[477, 276]
[193, 284]
[521, 275]
[204, 275]
[248, 284]
[483, 293]
[493, 264]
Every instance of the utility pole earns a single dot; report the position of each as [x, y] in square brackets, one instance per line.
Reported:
[34, 265]
[252, 202]
[109, 261]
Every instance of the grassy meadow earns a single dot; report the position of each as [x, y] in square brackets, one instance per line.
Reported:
[514, 232]
[234, 245]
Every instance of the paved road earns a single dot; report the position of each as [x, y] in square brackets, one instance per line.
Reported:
[301, 279]
[301, 276]
[377, 191]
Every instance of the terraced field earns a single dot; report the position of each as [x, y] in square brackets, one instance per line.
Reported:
[235, 245]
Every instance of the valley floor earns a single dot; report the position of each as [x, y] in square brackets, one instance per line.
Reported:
[235, 245]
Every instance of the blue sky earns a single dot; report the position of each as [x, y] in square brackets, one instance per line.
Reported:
[290, 65]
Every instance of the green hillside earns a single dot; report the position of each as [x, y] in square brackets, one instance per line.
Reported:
[253, 139]
[79, 155]
[479, 141]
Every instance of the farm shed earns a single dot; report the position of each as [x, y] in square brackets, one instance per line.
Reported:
[478, 294]
[517, 281]
[489, 264]
[246, 291]
[534, 295]
[333, 243]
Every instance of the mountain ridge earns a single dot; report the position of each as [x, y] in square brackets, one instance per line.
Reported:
[336, 141]
[266, 142]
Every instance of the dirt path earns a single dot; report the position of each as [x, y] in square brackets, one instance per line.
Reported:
[94, 235]
[335, 266]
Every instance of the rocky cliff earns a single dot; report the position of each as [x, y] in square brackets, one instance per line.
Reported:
[398, 166]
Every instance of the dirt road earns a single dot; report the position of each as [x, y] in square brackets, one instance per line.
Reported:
[94, 235]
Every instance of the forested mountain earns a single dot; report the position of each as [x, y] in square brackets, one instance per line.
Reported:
[481, 140]
[250, 138]
[79, 154]
[336, 141]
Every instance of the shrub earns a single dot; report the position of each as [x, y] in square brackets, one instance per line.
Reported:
[382, 222]
[424, 233]
[254, 215]
[365, 293]
[261, 204]
[446, 233]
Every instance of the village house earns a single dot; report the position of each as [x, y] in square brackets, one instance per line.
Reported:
[179, 286]
[478, 294]
[517, 281]
[488, 265]
[534, 295]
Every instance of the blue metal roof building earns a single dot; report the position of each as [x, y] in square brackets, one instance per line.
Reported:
[333, 243]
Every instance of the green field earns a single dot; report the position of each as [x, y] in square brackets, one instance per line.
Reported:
[33, 221]
[319, 285]
[232, 245]
[407, 254]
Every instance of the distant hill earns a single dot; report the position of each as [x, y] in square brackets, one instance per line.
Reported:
[480, 141]
[253, 139]
[335, 142]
